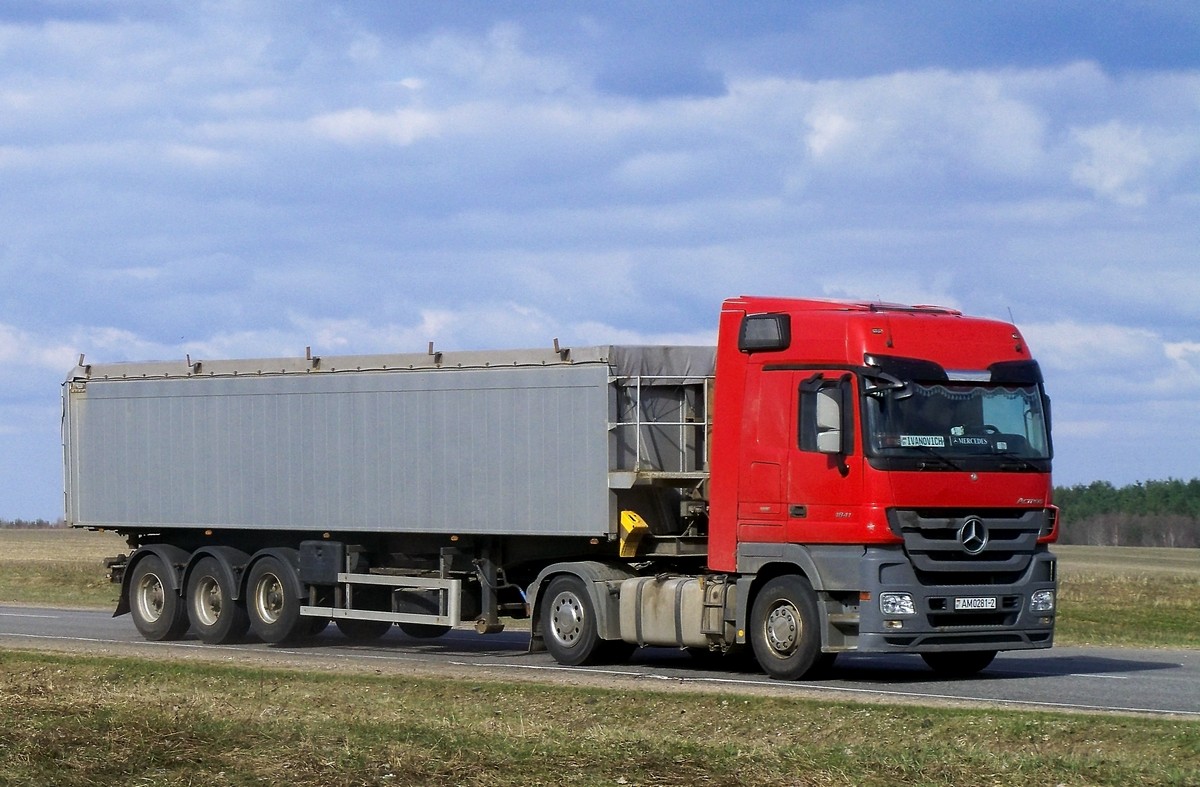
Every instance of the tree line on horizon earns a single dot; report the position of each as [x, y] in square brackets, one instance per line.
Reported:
[1143, 514]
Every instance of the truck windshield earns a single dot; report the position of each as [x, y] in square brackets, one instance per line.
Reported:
[975, 423]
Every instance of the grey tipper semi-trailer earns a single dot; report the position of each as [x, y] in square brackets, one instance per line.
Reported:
[428, 490]
[831, 477]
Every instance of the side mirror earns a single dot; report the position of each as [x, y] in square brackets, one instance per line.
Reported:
[829, 420]
[825, 417]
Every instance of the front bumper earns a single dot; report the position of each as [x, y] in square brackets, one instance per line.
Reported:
[936, 625]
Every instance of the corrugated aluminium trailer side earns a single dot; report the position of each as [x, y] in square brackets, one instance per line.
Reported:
[368, 444]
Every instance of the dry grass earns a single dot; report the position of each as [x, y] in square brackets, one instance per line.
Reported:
[1141, 561]
[83, 721]
[57, 567]
[73, 720]
[1129, 596]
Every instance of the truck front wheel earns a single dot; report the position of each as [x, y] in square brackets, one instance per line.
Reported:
[785, 628]
[273, 604]
[157, 610]
[215, 616]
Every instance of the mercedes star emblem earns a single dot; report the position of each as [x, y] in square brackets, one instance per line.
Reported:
[973, 535]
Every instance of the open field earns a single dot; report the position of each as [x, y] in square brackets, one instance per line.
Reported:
[81, 720]
[1109, 595]
[73, 720]
[1129, 596]
[57, 567]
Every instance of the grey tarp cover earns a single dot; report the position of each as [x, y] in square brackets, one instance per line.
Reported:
[692, 364]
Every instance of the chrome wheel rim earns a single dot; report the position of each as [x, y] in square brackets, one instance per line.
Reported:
[268, 598]
[783, 629]
[206, 606]
[566, 619]
[151, 597]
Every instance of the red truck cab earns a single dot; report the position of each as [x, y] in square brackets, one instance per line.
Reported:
[892, 463]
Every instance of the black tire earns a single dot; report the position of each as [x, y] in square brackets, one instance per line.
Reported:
[423, 630]
[273, 602]
[569, 626]
[785, 628]
[157, 610]
[959, 664]
[216, 617]
[362, 630]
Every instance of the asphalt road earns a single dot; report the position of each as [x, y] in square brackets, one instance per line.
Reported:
[1122, 680]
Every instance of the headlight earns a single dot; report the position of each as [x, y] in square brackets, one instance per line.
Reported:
[896, 604]
[1041, 601]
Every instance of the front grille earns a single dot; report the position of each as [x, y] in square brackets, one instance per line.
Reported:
[940, 549]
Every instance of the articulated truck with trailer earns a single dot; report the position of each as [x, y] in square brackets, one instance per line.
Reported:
[832, 477]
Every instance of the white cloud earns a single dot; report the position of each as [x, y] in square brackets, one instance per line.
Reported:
[1091, 347]
[245, 180]
[198, 156]
[1115, 162]
[499, 61]
[896, 123]
[1186, 357]
[398, 127]
[1103, 362]
[21, 350]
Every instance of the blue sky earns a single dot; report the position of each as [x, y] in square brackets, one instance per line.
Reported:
[223, 179]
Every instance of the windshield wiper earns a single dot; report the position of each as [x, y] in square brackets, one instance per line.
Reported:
[943, 460]
[1020, 461]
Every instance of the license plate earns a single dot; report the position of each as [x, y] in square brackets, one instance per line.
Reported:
[986, 602]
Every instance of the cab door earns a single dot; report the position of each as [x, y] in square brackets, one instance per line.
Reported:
[825, 470]
[801, 481]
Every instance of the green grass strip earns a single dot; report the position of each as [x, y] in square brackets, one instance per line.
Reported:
[74, 720]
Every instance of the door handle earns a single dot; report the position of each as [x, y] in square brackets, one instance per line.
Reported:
[798, 511]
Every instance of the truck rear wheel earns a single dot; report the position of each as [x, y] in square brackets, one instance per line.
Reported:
[216, 617]
[960, 663]
[570, 627]
[273, 603]
[157, 610]
[785, 628]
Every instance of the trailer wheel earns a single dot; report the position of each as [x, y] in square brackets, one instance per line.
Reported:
[216, 617]
[272, 603]
[785, 628]
[959, 664]
[157, 610]
[363, 630]
[569, 622]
